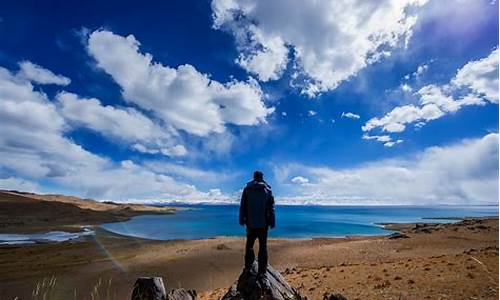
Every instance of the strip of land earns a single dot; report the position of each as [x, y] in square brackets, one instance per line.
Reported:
[27, 212]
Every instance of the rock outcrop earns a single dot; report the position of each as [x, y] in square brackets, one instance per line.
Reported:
[272, 287]
[249, 286]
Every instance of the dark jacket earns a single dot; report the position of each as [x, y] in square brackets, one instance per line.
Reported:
[257, 205]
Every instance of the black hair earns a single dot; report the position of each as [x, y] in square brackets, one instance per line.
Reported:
[258, 175]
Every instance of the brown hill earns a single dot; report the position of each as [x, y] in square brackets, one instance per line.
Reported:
[28, 212]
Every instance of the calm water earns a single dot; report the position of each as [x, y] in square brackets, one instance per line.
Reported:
[205, 221]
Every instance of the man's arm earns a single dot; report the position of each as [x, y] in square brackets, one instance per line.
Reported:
[271, 216]
[243, 207]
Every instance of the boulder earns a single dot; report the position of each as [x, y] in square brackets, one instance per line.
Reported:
[149, 288]
[152, 288]
[272, 287]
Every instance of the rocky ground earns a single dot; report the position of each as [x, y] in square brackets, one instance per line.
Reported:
[425, 261]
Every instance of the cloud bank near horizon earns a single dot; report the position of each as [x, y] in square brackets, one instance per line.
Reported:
[463, 173]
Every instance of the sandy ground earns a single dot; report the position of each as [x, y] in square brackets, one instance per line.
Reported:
[458, 261]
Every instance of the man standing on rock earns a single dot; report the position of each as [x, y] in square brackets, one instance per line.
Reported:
[257, 213]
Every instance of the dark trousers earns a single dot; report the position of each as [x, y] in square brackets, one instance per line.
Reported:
[252, 235]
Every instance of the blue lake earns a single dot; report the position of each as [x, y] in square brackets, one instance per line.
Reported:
[205, 221]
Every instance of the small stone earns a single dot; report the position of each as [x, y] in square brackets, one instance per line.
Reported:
[397, 235]
[334, 297]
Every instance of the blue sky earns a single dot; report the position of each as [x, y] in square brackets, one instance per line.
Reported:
[349, 103]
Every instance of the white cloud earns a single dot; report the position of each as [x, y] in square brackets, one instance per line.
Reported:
[33, 146]
[183, 98]
[173, 151]
[40, 75]
[406, 88]
[331, 40]
[312, 113]
[299, 180]
[268, 63]
[463, 173]
[392, 143]
[480, 76]
[124, 124]
[395, 120]
[127, 181]
[421, 70]
[188, 172]
[349, 115]
[477, 82]
[380, 138]
[18, 184]
[387, 140]
[177, 150]
[31, 128]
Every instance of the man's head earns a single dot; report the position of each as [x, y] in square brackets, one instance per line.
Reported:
[258, 176]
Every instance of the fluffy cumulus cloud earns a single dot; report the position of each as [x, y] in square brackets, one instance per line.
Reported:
[481, 77]
[31, 128]
[463, 173]
[329, 41]
[124, 124]
[182, 97]
[40, 75]
[299, 180]
[34, 147]
[476, 83]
